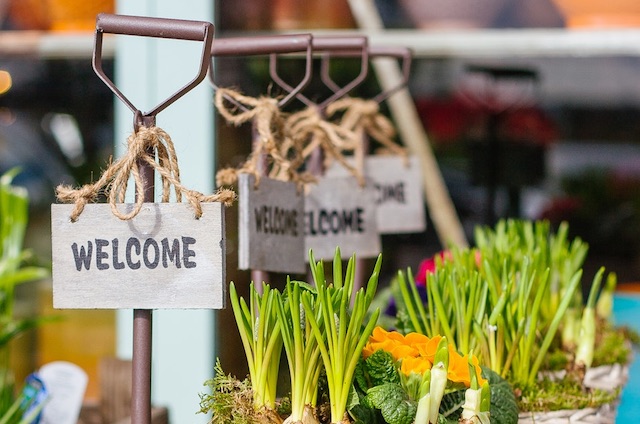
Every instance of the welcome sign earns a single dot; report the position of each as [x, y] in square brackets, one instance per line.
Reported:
[164, 258]
[270, 225]
[340, 213]
[398, 192]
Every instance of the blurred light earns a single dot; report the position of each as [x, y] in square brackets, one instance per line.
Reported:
[5, 81]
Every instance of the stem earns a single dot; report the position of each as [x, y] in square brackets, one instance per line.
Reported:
[409, 303]
[566, 300]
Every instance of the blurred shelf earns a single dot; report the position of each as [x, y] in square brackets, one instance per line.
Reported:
[49, 45]
[496, 43]
[500, 43]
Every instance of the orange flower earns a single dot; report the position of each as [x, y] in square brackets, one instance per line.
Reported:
[458, 371]
[389, 341]
[414, 339]
[416, 365]
[428, 349]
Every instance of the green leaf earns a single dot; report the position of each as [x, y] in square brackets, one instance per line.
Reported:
[393, 402]
[504, 408]
[451, 405]
[23, 275]
[13, 328]
[361, 409]
[381, 368]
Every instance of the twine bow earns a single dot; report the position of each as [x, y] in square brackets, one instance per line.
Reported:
[282, 158]
[308, 128]
[143, 146]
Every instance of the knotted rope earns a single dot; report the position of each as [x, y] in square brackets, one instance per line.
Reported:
[270, 154]
[365, 115]
[143, 146]
[309, 129]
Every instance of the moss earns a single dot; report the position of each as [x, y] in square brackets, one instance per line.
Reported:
[613, 346]
[565, 394]
[230, 400]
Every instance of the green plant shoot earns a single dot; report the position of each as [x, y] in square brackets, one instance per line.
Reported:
[302, 351]
[259, 330]
[587, 338]
[338, 328]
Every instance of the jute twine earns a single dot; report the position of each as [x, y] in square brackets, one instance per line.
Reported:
[283, 158]
[308, 128]
[143, 146]
[364, 115]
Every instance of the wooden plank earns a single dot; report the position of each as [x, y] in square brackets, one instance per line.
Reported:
[270, 225]
[398, 190]
[340, 213]
[164, 258]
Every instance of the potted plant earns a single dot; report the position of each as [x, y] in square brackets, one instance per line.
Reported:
[509, 300]
[342, 368]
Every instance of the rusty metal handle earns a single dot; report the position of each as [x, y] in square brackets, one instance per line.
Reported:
[263, 45]
[332, 43]
[394, 52]
[157, 28]
[152, 27]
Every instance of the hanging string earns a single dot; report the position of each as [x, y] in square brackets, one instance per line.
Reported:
[143, 146]
[283, 157]
[309, 129]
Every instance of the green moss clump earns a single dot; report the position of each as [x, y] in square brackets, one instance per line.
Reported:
[613, 346]
[550, 395]
[230, 400]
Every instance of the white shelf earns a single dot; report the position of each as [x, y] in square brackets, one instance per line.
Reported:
[499, 43]
[50, 45]
[557, 42]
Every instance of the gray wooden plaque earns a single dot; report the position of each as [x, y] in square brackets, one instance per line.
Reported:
[271, 225]
[164, 258]
[398, 189]
[340, 213]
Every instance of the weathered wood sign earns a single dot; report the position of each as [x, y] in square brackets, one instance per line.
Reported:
[340, 213]
[399, 194]
[271, 225]
[163, 258]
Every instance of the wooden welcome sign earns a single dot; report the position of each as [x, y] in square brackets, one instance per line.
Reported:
[163, 258]
[340, 213]
[398, 192]
[271, 225]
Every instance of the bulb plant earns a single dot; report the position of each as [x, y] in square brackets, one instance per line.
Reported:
[259, 329]
[322, 328]
[510, 299]
[338, 326]
[302, 351]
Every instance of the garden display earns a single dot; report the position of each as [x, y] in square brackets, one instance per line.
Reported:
[495, 333]
[498, 333]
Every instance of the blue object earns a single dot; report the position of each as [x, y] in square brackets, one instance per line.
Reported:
[626, 312]
[34, 393]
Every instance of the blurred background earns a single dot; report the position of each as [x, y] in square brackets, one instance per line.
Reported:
[565, 129]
